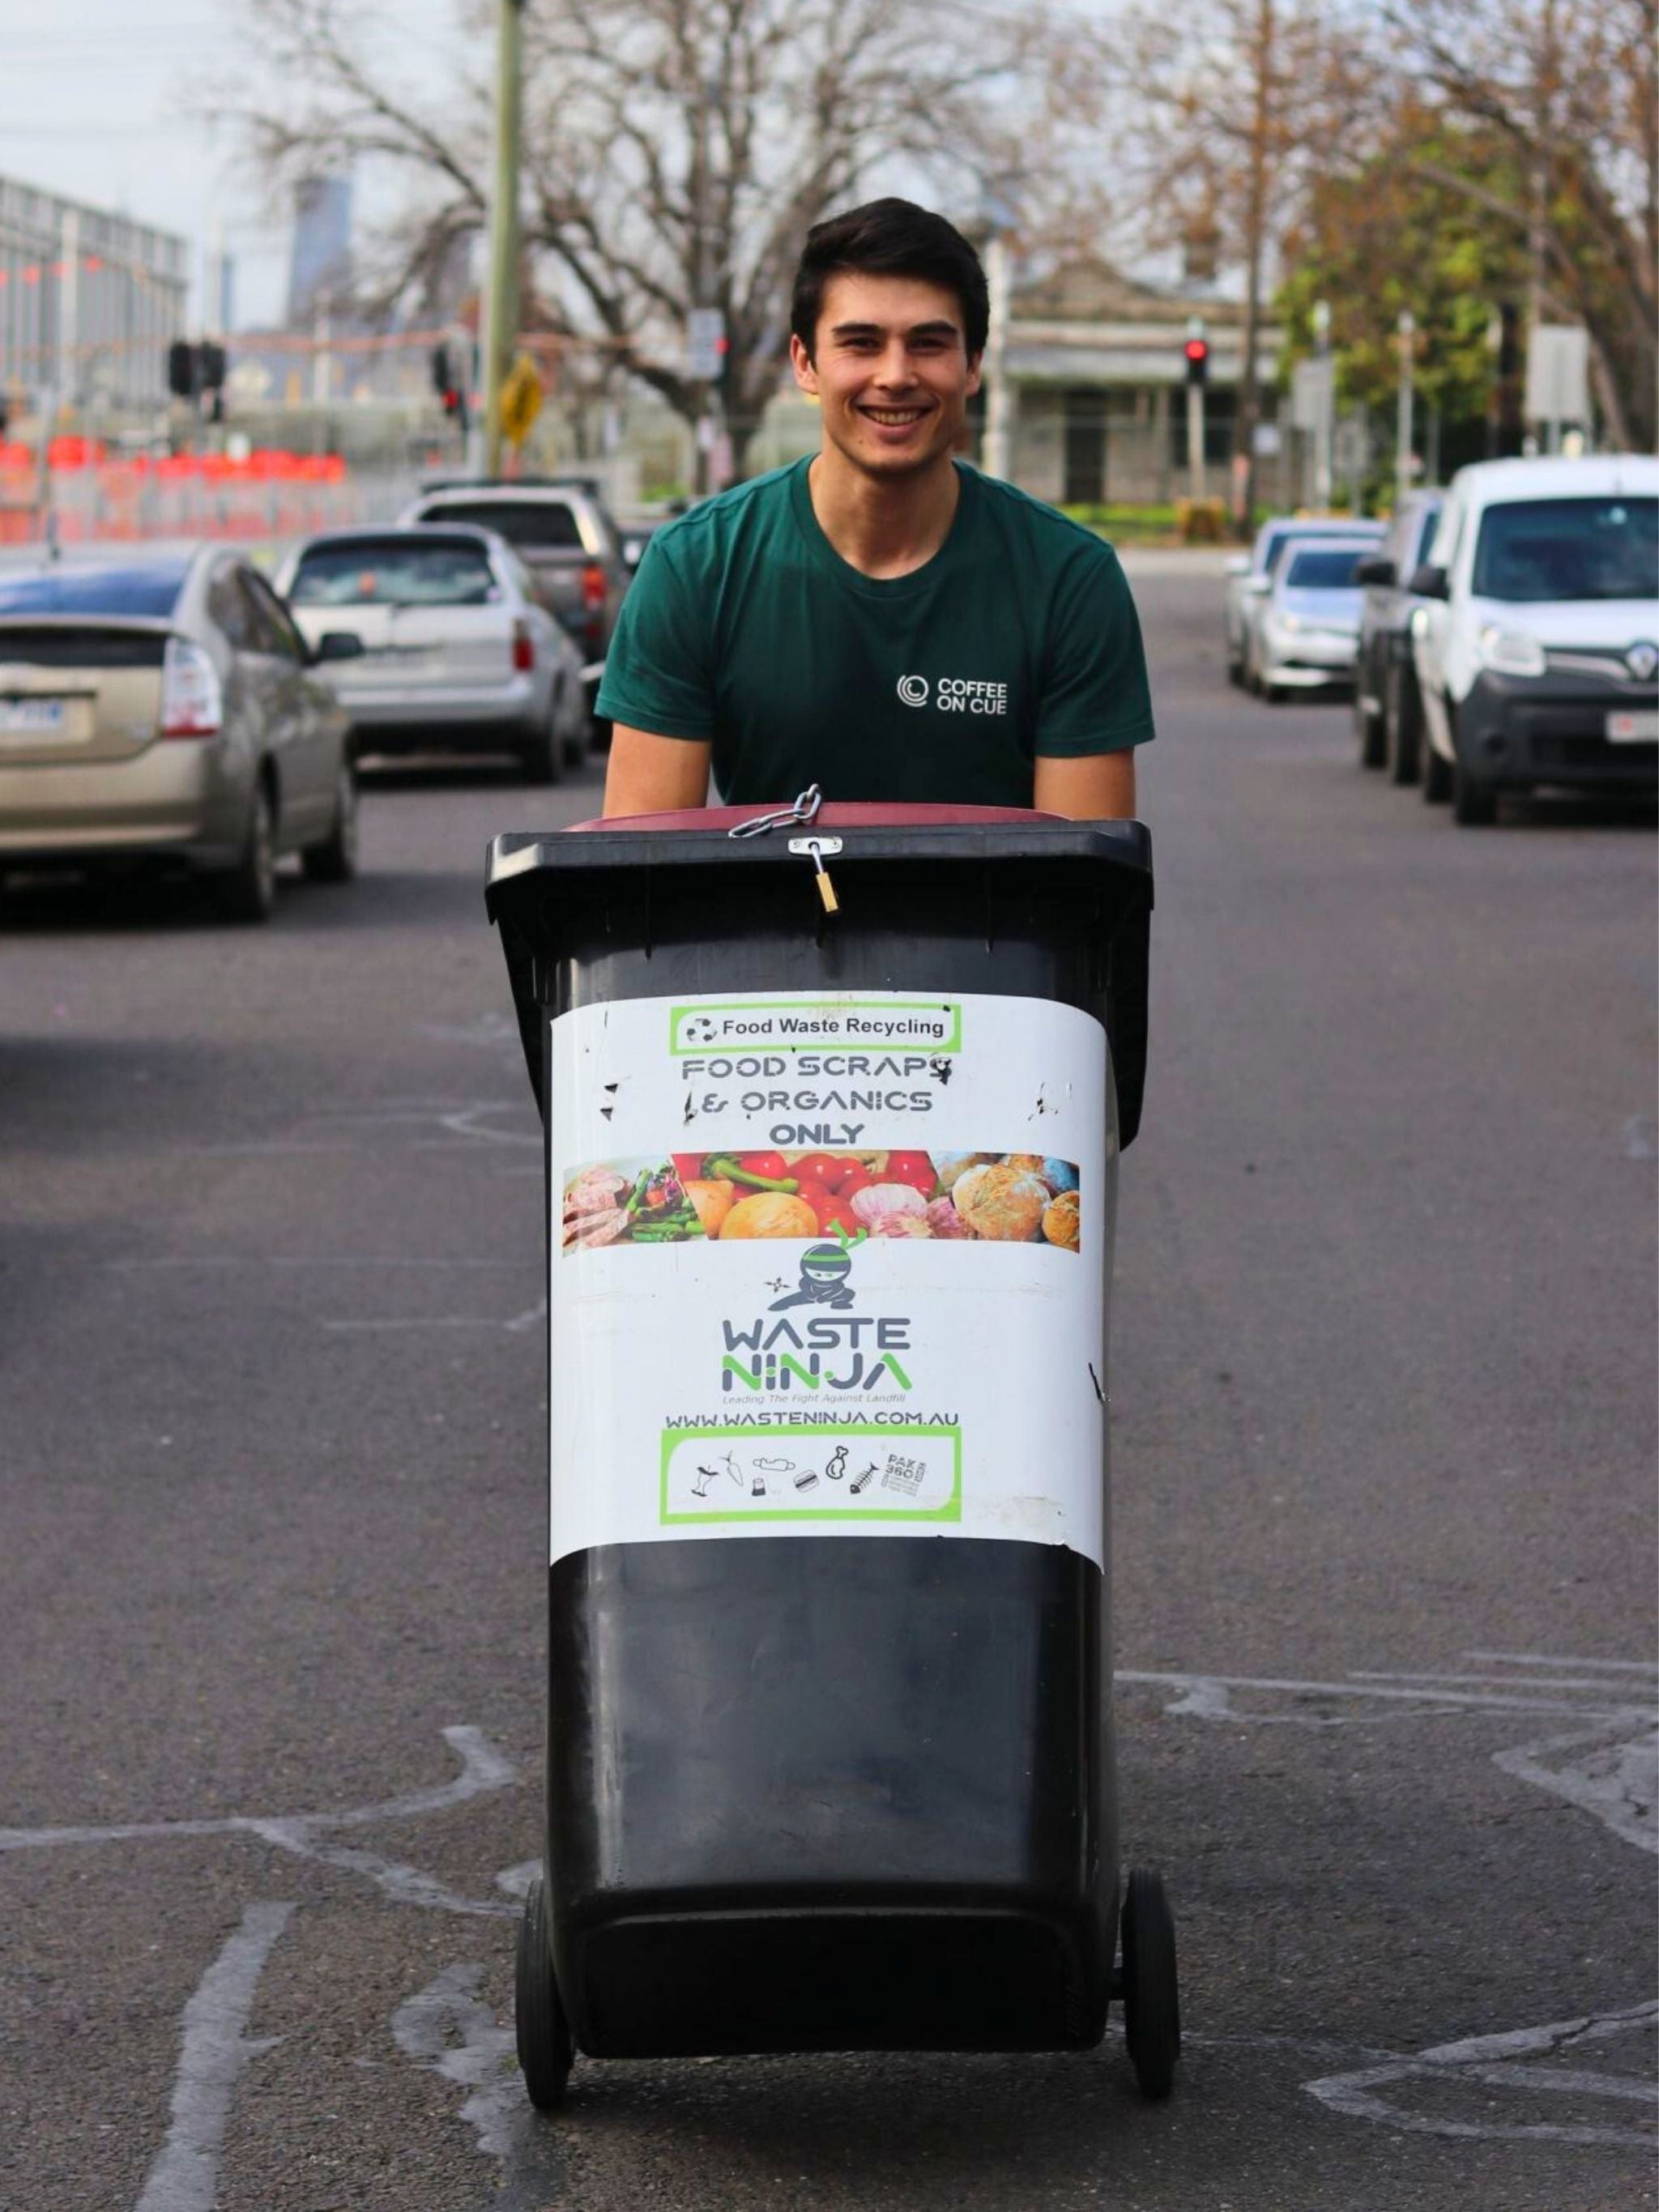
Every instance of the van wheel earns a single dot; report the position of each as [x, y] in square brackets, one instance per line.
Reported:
[1475, 806]
[247, 891]
[1370, 728]
[1402, 727]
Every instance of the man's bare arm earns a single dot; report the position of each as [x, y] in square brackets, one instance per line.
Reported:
[650, 775]
[1094, 788]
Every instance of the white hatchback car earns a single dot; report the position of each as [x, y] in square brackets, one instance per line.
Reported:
[1537, 645]
[459, 653]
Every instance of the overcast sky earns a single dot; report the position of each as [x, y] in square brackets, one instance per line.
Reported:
[95, 97]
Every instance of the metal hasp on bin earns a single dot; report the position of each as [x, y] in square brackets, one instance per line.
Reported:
[830, 1199]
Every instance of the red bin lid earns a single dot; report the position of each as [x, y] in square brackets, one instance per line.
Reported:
[842, 814]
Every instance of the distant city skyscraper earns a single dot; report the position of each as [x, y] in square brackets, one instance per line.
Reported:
[321, 263]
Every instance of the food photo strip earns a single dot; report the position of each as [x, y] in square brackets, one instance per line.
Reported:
[734, 1197]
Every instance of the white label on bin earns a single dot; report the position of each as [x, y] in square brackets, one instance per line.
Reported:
[827, 1263]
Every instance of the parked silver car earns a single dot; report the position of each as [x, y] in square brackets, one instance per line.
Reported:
[166, 710]
[1250, 576]
[1307, 635]
[459, 652]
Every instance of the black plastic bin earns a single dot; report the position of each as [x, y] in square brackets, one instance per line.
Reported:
[830, 1730]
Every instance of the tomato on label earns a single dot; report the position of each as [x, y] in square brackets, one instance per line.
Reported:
[913, 1168]
[856, 1178]
[687, 1166]
[768, 1165]
[826, 1167]
[816, 1197]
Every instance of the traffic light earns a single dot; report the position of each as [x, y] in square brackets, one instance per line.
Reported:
[213, 367]
[181, 369]
[1197, 355]
[448, 386]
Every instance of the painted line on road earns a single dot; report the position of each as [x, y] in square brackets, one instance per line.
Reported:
[184, 2176]
[1497, 2062]
[483, 1769]
[380, 1263]
[1582, 1665]
[1205, 1697]
[516, 1325]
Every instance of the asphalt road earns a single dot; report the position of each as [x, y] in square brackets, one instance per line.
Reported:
[271, 1409]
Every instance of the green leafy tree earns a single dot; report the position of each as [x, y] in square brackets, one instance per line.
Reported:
[1392, 237]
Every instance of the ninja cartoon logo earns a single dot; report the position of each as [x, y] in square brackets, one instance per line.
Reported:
[824, 1269]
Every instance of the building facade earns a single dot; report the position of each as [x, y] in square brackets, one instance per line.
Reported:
[1097, 367]
[89, 302]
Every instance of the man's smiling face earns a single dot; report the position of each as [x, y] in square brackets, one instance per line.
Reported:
[891, 370]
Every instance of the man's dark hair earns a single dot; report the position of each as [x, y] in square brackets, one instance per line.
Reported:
[890, 238]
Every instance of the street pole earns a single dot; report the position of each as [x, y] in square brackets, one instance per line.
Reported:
[1403, 430]
[999, 400]
[501, 320]
[1323, 482]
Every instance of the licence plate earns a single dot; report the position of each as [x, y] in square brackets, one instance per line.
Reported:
[32, 719]
[1636, 727]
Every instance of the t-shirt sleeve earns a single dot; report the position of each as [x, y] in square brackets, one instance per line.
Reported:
[659, 671]
[1095, 697]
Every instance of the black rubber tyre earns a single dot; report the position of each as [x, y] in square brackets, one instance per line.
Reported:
[1152, 1997]
[546, 2053]
[577, 748]
[1475, 806]
[335, 861]
[1402, 725]
[1273, 693]
[247, 892]
[541, 755]
[1368, 728]
[1436, 774]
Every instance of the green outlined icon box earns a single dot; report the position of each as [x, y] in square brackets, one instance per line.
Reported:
[828, 1497]
[696, 1028]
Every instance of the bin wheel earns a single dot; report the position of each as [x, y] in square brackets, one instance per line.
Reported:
[546, 2053]
[1151, 2002]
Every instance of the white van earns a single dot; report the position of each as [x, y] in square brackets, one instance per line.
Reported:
[1537, 644]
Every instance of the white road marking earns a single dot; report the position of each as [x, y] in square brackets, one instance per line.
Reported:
[1205, 1696]
[184, 2176]
[1609, 1769]
[1493, 2062]
[482, 1769]
[379, 1264]
[1583, 1666]
[515, 1324]
[1617, 1781]
[448, 2029]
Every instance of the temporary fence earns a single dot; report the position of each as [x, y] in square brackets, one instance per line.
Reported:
[82, 494]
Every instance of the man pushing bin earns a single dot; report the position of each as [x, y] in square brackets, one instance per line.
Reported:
[829, 1746]
[882, 619]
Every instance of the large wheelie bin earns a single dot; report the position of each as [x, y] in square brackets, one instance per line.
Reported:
[832, 1117]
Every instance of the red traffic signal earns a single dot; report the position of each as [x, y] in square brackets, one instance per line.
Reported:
[1197, 351]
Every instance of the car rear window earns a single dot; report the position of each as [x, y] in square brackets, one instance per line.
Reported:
[150, 593]
[395, 572]
[1322, 571]
[527, 523]
[1568, 549]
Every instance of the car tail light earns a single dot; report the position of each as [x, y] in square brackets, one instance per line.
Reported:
[593, 586]
[192, 703]
[524, 649]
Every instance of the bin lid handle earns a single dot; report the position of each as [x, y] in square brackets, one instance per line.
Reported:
[786, 817]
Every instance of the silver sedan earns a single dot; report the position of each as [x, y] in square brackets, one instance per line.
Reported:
[459, 654]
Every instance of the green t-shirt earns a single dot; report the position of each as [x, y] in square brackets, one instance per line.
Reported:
[745, 627]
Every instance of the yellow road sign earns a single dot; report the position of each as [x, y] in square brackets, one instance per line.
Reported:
[521, 399]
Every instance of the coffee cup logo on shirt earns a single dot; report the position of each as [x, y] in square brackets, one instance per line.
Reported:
[957, 694]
